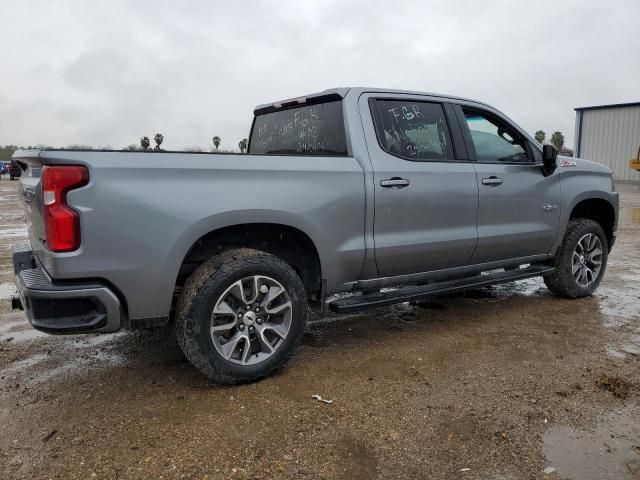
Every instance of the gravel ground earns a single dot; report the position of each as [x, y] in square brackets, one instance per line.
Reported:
[501, 383]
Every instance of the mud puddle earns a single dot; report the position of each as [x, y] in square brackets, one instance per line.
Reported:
[62, 356]
[629, 216]
[7, 290]
[611, 450]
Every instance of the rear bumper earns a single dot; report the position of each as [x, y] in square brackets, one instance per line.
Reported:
[63, 308]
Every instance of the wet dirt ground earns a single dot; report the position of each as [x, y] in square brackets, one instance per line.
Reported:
[501, 383]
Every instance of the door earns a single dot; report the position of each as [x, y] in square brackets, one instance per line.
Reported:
[519, 206]
[425, 195]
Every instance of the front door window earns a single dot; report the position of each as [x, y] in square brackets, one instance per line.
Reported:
[495, 141]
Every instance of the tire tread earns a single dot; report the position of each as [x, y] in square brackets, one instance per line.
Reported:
[192, 301]
[560, 281]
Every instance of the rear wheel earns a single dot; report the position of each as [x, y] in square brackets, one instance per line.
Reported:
[241, 315]
[581, 260]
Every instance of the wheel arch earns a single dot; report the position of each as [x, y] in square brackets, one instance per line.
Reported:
[600, 210]
[289, 243]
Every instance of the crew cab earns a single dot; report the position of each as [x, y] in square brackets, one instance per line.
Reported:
[387, 196]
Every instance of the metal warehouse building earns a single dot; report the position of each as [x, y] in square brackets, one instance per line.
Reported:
[609, 134]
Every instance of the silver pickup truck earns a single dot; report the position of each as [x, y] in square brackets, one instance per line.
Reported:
[389, 196]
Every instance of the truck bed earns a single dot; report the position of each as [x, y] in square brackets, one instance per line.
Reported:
[142, 212]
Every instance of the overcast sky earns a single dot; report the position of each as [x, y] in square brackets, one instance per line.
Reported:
[107, 72]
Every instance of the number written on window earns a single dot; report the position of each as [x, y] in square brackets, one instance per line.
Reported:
[413, 130]
[316, 130]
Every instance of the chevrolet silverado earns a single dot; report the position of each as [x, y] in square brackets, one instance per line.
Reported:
[386, 196]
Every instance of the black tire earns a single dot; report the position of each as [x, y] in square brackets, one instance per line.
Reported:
[561, 282]
[199, 295]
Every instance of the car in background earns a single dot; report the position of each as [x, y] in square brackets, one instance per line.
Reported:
[14, 170]
[4, 167]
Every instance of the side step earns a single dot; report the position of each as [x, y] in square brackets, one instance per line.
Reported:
[357, 303]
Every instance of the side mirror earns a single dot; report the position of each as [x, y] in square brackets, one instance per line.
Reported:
[549, 156]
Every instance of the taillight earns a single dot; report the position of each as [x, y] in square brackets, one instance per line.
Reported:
[62, 224]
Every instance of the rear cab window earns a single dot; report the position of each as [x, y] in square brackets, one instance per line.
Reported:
[313, 130]
[413, 130]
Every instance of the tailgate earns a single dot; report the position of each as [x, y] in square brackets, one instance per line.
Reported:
[30, 193]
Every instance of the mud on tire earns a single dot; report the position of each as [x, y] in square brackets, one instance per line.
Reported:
[562, 281]
[202, 292]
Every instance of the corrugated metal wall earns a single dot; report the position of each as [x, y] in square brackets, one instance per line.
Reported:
[610, 136]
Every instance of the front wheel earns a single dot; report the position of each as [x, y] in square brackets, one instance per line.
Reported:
[241, 315]
[581, 260]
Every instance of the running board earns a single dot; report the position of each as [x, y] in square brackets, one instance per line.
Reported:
[357, 303]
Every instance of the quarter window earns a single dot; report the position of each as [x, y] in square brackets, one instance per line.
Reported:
[413, 130]
[494, 140]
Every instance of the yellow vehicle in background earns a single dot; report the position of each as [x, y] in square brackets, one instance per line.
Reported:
[634, 163]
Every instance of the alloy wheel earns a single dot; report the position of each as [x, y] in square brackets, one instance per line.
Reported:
[587, 260]
[251, 320]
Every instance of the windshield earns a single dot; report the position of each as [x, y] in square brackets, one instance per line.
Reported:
[315, 130]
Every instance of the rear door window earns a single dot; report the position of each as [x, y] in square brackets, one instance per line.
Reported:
[413, 130]
[315, 130]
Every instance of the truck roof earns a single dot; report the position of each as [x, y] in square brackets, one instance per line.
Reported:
[341, 92]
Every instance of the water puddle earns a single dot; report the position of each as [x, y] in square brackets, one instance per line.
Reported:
[22, 336]
[610, 451]
[633, 347]
[80, 366]
[79, 355]
[20, 232]
[531, 287]
[91, 340]
[23, 364]
[629, 216]
[612, 352]
[7, 325]
[6, 290]
[619, 303]
[620, 306]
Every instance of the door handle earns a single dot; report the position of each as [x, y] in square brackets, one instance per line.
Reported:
[492, 181]
[395, 182]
